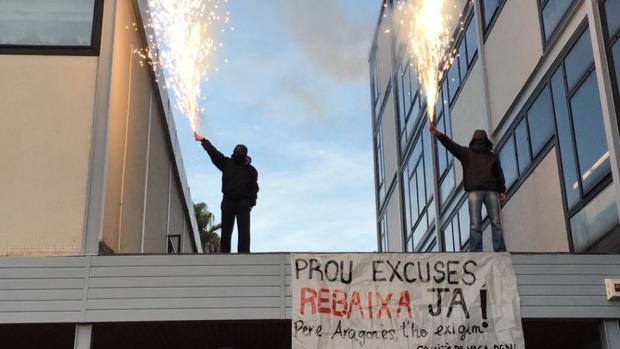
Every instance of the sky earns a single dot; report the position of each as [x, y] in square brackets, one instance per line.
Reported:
[295, 90]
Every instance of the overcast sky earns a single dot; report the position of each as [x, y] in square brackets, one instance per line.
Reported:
[296, 92]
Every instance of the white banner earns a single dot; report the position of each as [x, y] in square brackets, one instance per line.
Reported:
[397, 300]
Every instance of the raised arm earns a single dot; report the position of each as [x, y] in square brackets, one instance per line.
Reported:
[218, 159]
[456, 149]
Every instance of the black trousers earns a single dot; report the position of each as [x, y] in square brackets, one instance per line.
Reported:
[239, 210]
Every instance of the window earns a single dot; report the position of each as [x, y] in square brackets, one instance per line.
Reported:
[523, 146]
[174, 244]
[70, 25]
[490, 11]
[611, 9]
[540, 119]
[579, 60]
[591, 144]
[471, 38]
[467, 49]
[508, 160]
[565, 140]
[380, 166]
[552, 13]
[594, 222]
[383, 241]
[456, 231]
[418, 191]
[374, 82]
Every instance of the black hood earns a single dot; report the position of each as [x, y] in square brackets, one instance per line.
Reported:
[480, 142]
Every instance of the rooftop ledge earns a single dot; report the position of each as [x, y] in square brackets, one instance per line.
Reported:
[124, 288]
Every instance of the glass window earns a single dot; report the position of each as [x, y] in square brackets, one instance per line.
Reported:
[471, 38]
[407, 196]
[46, 23]
[454, 80]
[407, 92]
[579, 60]
[612, 10]
[595, 220]
[615, 51]
[464, 223]
[463, 59]
[552, 13]
[509, 162]
[540, 119]
[419, 231]
[428, 165]
[446, 186]
[590, 134]
[565, 139]
[523, 148]
[383, 240]
[380, 165]
[413, 192]
[489, 9]
[449, 238]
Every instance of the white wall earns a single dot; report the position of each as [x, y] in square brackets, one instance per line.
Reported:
[45, 139]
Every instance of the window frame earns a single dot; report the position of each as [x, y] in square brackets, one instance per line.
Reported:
[548, 41]
[64, 50]
[486, 29]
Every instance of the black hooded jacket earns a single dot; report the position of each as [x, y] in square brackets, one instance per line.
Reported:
[239, 180]
[481, 167]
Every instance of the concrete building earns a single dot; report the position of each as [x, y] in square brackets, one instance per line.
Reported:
[541, 77]
[92, 163]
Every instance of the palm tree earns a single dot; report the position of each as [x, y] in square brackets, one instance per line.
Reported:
[208, 236]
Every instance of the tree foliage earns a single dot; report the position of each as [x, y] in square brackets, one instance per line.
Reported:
[206, 226]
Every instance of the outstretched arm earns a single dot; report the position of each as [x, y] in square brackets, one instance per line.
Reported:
[218, 159]
[456, 149]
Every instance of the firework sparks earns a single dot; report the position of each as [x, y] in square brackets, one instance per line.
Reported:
[184, 35]
[424, 26]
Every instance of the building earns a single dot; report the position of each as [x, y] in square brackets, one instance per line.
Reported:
[97, 287]
[541, 77]
[92, 163]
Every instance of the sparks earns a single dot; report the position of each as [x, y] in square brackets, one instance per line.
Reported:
[424, 27]
[184, 35]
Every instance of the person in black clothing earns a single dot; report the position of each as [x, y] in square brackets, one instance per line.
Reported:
[484, 182]
[240, 188]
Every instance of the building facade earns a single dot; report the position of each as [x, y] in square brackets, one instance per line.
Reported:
[92, 163]
[541, 77]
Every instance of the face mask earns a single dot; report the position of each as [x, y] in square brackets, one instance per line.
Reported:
[238, 158]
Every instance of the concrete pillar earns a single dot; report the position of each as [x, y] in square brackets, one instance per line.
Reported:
[83, 336]
[610, 334]
[603, 75]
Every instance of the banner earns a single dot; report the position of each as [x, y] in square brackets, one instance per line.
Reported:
[397, 300]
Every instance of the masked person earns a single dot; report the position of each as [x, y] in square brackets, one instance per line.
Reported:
[240, 188]
[484, 182]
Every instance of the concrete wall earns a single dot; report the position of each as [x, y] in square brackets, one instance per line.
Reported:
[144, 200]
[533, 218]
[158, 185]
[45, 135]
[512, 51]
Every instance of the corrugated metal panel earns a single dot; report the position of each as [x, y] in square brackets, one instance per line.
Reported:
[186, 287]
[246, 287]
[42, 289]
[565, 285]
